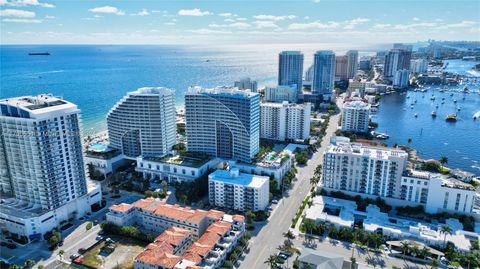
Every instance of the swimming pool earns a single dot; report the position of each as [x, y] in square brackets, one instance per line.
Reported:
[98, 147]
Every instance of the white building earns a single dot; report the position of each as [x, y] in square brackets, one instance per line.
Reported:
[238, 191]
[143, 123]
[175, 168]
[42, 173]
[246, 84]
[419, 66]
[283, 121]
[401, 78]
[281, 93]
[355, 117]
[358, 168]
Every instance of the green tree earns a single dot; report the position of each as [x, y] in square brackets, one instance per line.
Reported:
[89, 225]
[28, 263]
[271, 261]
[164, 185]
[289, 235]
[434, 263]
[445, 230]
[60, 253]
[405, 246]
[40, 267]
[249, 217]
[443, 160]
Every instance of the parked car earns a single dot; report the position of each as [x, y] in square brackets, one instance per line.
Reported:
[99, 237]
[274, 201]
[74, 256]
[82, 250]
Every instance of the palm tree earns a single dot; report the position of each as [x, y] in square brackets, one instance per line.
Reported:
[60, 253]
[29, 263]
[405, 247]
[445, 230]
[443, 160]
[289, 235]
[424, 252]
[271, 261]
[415, 250]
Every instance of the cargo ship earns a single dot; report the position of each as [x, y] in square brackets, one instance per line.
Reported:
[39, 53]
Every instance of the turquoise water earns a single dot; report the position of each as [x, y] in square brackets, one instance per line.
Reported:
[99, 147]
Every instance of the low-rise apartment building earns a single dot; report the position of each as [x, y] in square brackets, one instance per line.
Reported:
[238, 191]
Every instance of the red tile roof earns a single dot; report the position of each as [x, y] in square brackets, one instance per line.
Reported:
[173, 236]
[158, 254]
[121, 207]
[239, 218]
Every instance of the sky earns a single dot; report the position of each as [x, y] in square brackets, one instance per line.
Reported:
[351, 22]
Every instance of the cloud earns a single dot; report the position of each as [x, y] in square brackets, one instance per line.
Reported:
[415, 19]
[169, 23]
[48, 17]
[227, 14]
[316, 1]
[229, 20]
[241, 19]
[23, 20]
[208, 31]
[313, 25]
[17, 13]
[143, 12]
[381, 25]
[24, 3]
[462, 24]
[107, 10]
[351, 24]
[265, 24]
[238, 25]
[274, 18]
[193, 12]
[306, 17]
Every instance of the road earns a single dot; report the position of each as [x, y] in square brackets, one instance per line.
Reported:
[271, 236]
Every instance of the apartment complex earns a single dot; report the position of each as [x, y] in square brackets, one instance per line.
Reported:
[359, 168]
[238, 191]
[188, 238]
[396, 59]
[355, 116]
[42, 173]
[284, 121]
[281, 93]
[290, 69]
[246, 84]
[143, 123]
[419, 66]
[401, 78]
[352, 56]
[323, 73]
[341, 67]
[223, 122]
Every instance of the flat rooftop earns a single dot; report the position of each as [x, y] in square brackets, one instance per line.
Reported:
[234, 177]
[221, 90]
[30, 106]
[189, 161]
[361, 150]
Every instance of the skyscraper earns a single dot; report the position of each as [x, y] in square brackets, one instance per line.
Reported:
[396, 59]
[341, 67]
[223, 122]
[352, 56]
[42, 173]
[323, 73]
[290, 69]
[143, 123]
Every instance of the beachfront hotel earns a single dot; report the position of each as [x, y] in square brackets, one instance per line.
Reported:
[42, 173]
[223, 122]
[187, 238]
[355, 116]
[284, 121]
[143, 123]
[238, 191]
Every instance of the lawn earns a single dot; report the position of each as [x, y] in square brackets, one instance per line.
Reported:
[121, 258]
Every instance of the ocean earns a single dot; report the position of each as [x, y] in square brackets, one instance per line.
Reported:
[95, 77]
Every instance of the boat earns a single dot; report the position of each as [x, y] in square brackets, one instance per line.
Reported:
[432, 98]
[443, 102]
[39, 53]
[434, 114]
[451, 117]
[451, 94]
[465, 89]
[454, 100]
[436, 106]
[416, 115]
[379, 135]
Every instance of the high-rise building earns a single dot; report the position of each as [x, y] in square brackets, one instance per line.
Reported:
[290, 69]
[143, 123]
[281, 93]
[355, 167]
[42, 173]
[403, 46]
[365, 63]
[419, 66]
[401, 78]
[283, 121]
[238, 191]
[355, 117]
[352, 56]
[396, 59]
[223, 122]
[341, 67]
[323, 73]
[309, 74]
[246, 84]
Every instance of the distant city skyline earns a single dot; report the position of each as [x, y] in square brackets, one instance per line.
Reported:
[358, 23]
